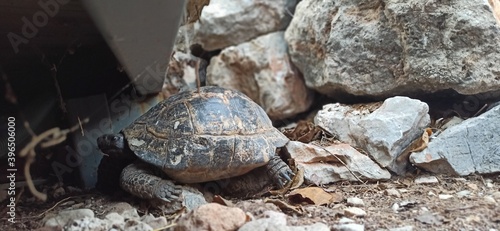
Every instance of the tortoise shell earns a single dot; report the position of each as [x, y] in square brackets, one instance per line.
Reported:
[202, 136]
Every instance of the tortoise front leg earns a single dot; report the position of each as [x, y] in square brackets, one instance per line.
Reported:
[279, 171]
[139, 180]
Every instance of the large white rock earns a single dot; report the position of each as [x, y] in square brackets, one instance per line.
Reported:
[384, 133]
[262, 70]
[225, 23]
[336, 162]
[396, 47]
[472, 146]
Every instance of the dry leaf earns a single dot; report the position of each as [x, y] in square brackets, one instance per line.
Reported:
[298, 179]
[223, 201]
[311, 195]
[304, 132]
[421, 144]
[194, 8]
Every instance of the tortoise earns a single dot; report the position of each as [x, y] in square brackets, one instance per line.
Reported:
[196, 136]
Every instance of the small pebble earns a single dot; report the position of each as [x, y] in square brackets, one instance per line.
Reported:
[402, 190]
[431, 193]
[423, 209]
[154, 222]
[488, 183]
[354, 212]
[395, 207]
[473, 218]
[445, 196]
[404, 228]
[345, 220]
[426, 180]
[490, 200]
[356, 202]
[496, 195]
[392, 192]
[472, 186]
[463, 193]
[349, 227]
[59, 192]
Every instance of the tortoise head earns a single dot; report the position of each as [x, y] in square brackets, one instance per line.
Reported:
[112, 144]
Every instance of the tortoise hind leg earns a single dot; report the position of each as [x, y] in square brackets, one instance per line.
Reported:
[279, 171]
[139, 180]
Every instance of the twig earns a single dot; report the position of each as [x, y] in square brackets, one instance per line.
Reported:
[53, 207]
[166, 227]
[81, 126]
[480, 110]
[357, 178]
[197, 74]
[54, 136]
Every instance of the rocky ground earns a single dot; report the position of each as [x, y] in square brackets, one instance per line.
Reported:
[445, 203]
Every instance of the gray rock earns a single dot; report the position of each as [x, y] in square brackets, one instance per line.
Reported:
[87, 223]
[384, 133]
[314, 227]
[276, 221]
[225, 23]
[349, 227]
[404, 228]
[262, 70]
[386, 48]
[392, 192]
[426, 180]
[467, 148]
[356, 202]
[121, 217]
[64, 217]
[354, 212]
[463, 193]
[272, 221]
[337, 162]
[155, 222]
[184, 39]
[114, 219]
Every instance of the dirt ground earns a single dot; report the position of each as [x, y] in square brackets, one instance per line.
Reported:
[475, 207]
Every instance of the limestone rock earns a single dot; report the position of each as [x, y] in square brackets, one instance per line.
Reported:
[349, 227]
[183, 69]
[212, 216]
[384, 134]
[277, 221]
[354, 212]
[426, 180]
[87, 223]
[384, 48]
[66, 216]
[467, 148]
[323, 165]
[226, 23]
[120, 217]
[355, 201]
[184, 39]
[262, 70]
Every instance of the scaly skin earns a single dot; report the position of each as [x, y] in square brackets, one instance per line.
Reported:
[139, 180]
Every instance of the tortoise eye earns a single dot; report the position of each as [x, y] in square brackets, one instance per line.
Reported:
[115, 138]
